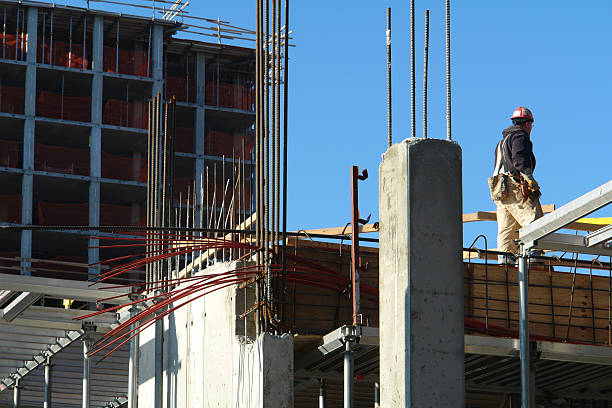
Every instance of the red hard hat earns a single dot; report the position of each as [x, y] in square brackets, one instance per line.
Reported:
[522, 113]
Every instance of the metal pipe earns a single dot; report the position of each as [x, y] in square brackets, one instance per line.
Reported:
[412, 75]
[133, 366]
[16, 394]
[523, 275]
[48, 384]
[389, 111]
[355, 241]
[425, 66]
[348, 373]
[448, 74]
[86, 373]
[159, 363]
[376, 395]
[322, 392]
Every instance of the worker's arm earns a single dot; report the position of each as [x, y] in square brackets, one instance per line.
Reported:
[522, 159]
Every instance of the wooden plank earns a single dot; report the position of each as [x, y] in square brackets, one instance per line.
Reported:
[492, 215]
[343, 231]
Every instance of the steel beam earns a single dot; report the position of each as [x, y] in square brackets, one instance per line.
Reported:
[600, 236]
[569, 243]
[570, 212]
[61, 288]
[19, 305]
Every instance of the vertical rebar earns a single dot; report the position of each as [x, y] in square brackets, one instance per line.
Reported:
[257, 124]
[272, 53]
[277, 131]
[117, 49]
[51, 38]
[412, 75]
[425, 66]
[448, 74]
[149, 184]
[222, 214]
[84, 40]
[4, 37]
[285, 128]
[389, 104]
[268, 280]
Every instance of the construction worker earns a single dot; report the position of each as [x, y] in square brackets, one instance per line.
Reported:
[513, 187]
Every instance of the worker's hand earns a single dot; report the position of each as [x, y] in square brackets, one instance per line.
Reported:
[531, 182]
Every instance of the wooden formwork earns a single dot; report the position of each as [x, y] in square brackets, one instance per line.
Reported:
[562, 306]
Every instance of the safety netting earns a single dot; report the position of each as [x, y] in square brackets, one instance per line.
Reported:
[62, 53]
[61, 267]
[125, 113]
[13, 46]
[52, 105]
[10, 208]
[111, 214]
[12, 99]
[184, 139]
[63, 213]
[123, 61]
[123, 168]
[9, 153]
[236, 96]
[181, 88]
[61, 159]
[10, 262]
[226, 144]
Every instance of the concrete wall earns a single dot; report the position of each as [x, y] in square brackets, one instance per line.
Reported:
[421, 278]
[206, 363]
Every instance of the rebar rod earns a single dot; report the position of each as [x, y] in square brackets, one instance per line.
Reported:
[70, 42]
[448, 74]
[389, 110]
[277, 132]
[273, 125]
[149, 184]
[425, 66]
[285, 128]
[268, 281]
[412, 74]
[257, 127]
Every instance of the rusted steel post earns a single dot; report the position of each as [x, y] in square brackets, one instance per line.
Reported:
[355, 241]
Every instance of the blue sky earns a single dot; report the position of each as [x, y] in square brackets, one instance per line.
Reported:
[551, 56]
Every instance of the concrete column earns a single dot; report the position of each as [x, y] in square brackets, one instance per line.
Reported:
[157, 58]
[29, 128]
[200, 121]
[421, 276]
[95, 137]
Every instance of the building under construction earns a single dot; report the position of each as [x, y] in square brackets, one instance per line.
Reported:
[145, 260]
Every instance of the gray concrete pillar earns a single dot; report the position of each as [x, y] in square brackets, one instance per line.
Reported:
[200, 123]
[95, 139]
[29, 128]
[421, 275]
[157, 59]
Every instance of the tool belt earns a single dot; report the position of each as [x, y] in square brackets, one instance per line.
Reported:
[526, 190]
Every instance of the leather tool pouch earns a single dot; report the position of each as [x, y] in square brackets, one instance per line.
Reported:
[498, 187]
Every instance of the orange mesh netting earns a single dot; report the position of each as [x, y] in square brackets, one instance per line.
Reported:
[230, 96]
[57, 267]
[10, 208]
[124, 168]
[121, 215]
[63, 214]
[10, 266]
[63, 54]
[9, 153]
[52, 105]
[184, 139]
[122, 113]
[12, 99]
[221, 143]
[130, 62]
[59, 159]
[178, 87]
[12, 43]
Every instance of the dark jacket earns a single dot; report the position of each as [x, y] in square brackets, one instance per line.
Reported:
[518, 151]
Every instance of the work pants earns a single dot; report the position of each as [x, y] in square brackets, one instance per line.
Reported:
[513, 213]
